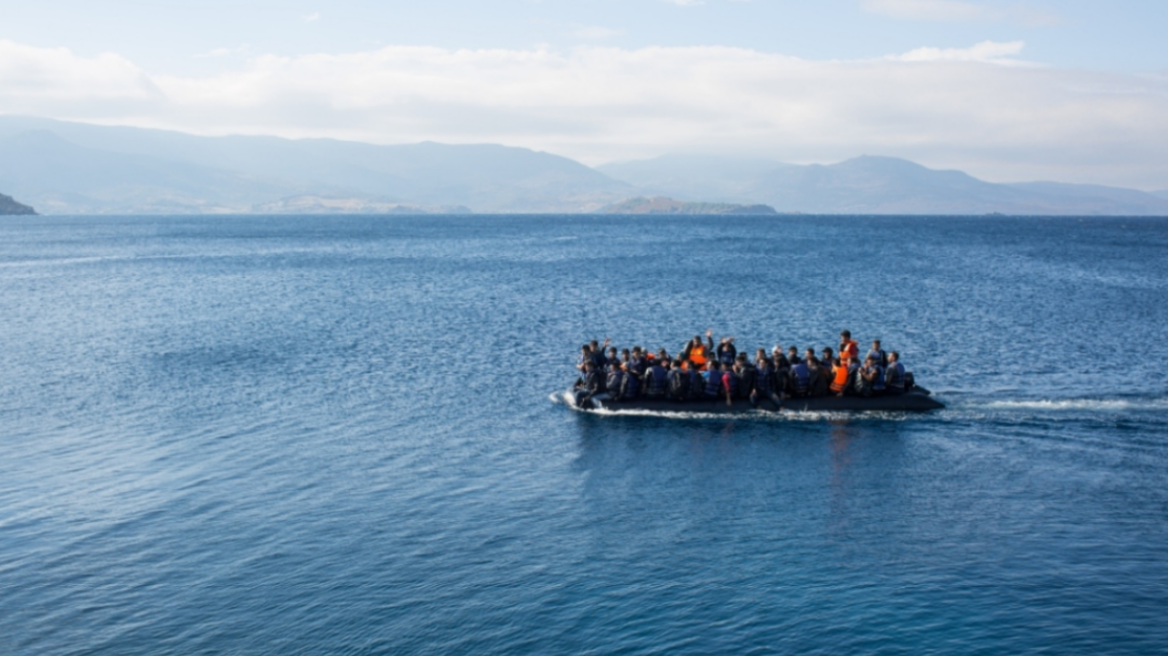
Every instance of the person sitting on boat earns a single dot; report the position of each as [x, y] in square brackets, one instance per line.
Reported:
[878, 353]
[679, 380]
[793, 355]
[869, 378]
[630, 385]
[764, 383]
[585, 357]
[828, 360]
[746, 376]
[593, 383]
[841, 374]
[698, 353]
[656, 380]
[778, 359]
[782, 375]
[849, 349]
[820, 373]
[894, 380]
[800, 378]
[713, 380]
[615, 381]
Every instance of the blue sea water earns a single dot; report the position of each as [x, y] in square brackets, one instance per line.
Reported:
[338, 435]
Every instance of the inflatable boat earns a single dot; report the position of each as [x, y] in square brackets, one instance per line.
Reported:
[918, 399]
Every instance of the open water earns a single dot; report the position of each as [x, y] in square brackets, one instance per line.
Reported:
[331, 435]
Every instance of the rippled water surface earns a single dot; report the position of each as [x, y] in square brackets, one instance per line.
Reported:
[247, 435]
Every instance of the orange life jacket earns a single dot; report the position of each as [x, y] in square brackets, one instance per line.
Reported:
[697, 354]
[850, 350]
[841, 378]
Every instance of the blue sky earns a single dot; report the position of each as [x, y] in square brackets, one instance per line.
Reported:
[1010, 90]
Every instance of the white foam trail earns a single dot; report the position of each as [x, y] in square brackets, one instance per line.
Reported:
[1090, 405]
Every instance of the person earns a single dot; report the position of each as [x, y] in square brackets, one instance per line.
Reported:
[894, 375]
[820, 374]
[598, 351]
[592, 385]
[615, 382]
[746, 376]
[878, 353]
[727, 352]
[679, 379]
[656, 380]
[713, 376]
[611, 357]
[729, 384]
[697, 382]
[840, 375]
[782, 375]
[828, 360]
[849, 349]
[764, 384]
[800, 378]
[778, 359]
[631, 386]
[697, 352]
[869, 378]
[585, 356]
[793, 355]
[639, 361]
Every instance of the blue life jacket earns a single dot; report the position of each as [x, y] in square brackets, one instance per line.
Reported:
[713, 382]
[632, 386]
[656, 381]
[802, 376]
[614, 382]
[878, 384]
[679, 380]
[894, 376]
[763, 381]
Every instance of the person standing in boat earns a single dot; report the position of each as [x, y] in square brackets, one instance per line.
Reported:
[849, 349]
[727, 352]
[593, 384]
[698, 353]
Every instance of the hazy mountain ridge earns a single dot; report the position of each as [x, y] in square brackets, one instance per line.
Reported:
[872, 185]
[76, 168]
[80, 168]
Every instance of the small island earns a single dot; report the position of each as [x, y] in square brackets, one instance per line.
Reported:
[9, 207]
[662, 205]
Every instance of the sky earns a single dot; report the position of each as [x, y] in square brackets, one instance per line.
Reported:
[1074, 90]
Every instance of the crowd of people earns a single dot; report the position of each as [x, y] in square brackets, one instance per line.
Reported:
[703, 372]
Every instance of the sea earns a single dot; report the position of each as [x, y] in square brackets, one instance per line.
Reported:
[346, 435]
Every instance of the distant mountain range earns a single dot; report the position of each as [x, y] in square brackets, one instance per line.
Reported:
[661, 205]
[75, 168]
[872, 185]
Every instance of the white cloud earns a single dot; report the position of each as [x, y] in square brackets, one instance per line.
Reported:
[958, 11]
[990, 52]
[956, 108]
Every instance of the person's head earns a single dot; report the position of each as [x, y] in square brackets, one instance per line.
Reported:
[714, 365]
[595, 345]
[791, 350]
[696, 341]
[869, 361]
[637, 350]
[828, 351]
[876, 344]
[612, 351]
[760, 354]
[893, 356]
[588, 366]
[846, 334]
[741, 358]
[624, 354]
[663, 354]
[777, 350]
[586, 349]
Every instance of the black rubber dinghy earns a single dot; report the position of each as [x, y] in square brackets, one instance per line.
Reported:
[917, 399]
